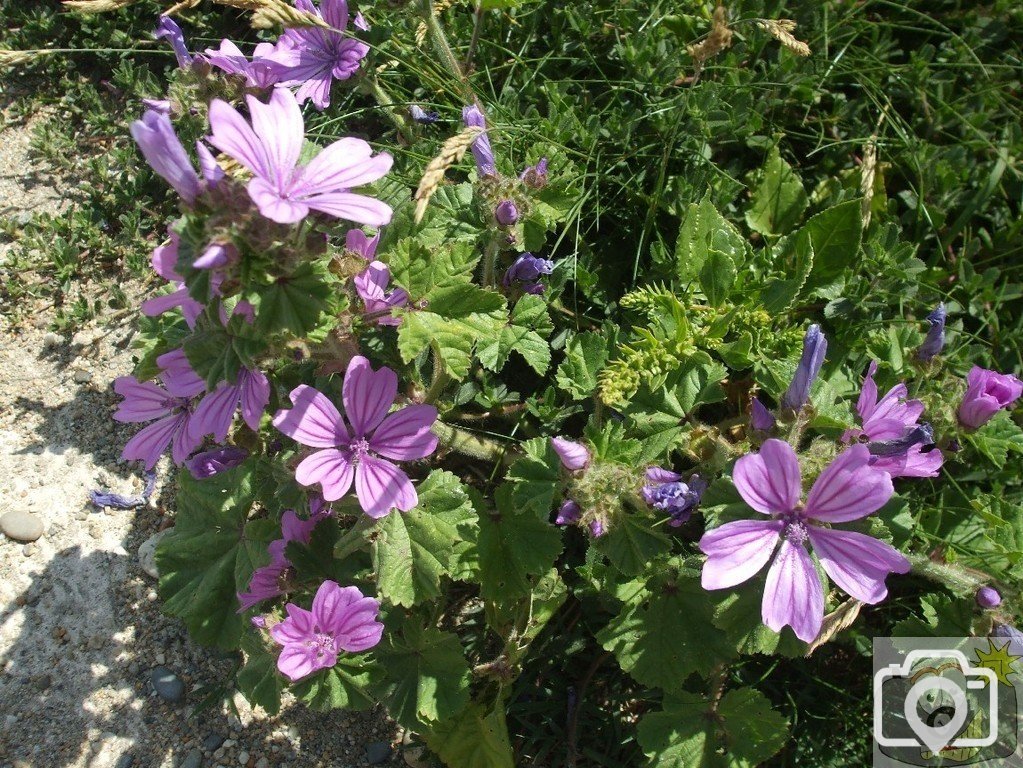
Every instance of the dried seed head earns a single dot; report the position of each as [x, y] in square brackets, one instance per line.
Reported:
[719, 39]
[273, 13]
[781, 30]
[12, 58]
[451, 152]
[96, 6]
[867, 173]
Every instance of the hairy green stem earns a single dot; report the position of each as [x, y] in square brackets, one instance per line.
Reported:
[490, 264]
[471, 444]
[440, 378]
[959, 580]
[371, 85]
[443, 48]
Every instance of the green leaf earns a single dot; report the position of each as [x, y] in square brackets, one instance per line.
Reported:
[705, 230]
[210, 554]
[795, 254]
[632, 542]
[514, 545]
[412, 551]
[427, 674]
[477, 738]
[346, 685]
[526, 333]
[424, 271]
[296, 304]
[537, 477]
[217, 353]
[258, 679]
[833, 238]
[585, 355]
[741, 732]
[717, 277]
[664, 631]
[998, 438]
[737, 614]
[452, 338]
[942, 616]
[779, 199]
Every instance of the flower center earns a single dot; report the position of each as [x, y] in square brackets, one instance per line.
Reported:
[359, 448]
[795, 528]
[323, 644]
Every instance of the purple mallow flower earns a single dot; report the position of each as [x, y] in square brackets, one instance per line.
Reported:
[988, 597]
[535, 176]
[667, 491]
[935, 339]
[166, 155]
[270, 581]
[814, 348]
[769, 481]
[987, 392]
[371, 285]
[342, 619]
[574, 456]
[164, 259]
[214, 415]
[169, 30]
[506, 213]
[348, 451]
[898, 443]
[358, 243]
[761, 419]
[527, 270]
[205, 465]
[420, 115]
[481, 149]
[259, 72]
[312, 58]
[569, 512]
[285, 191]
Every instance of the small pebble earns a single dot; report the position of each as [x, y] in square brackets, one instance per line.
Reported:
[147, 553]
[21, 526]
[243, 758]
[262, 763]
[51, 340]
[166, 684]
[83, 377]
[192, 760]
[124, 761]
[212, 742]
[378, 752]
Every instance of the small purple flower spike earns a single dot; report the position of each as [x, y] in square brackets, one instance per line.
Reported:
[506, 213]
[770, 482]
[527, 270]
[814, 348]
[361, 451]
[568, 513]
[205, 465]
[341, 619]
[987, 392]
[169, 30]
[312, 58]
[665, 490]
[285, 191]
[574, 456]
[988, 597]
[761, 419]
[481, 149]
[935, 339]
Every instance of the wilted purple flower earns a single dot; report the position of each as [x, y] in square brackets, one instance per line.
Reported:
[371, 286]
[814, 348]
[270, 581]
[481, 149]
[761, 419]
[215, 256]
[535, 176]
[988, 597]
[568, 513]
[340, 620]
[597, 528]
[574, 456]
[101, 498]
[285, 191]
[899, 444]
[421, 116]
[164, 152]
[312, 58]
[164, 259]
[158, 105]
[169, 30]
[527, 269]
[214, 415]
[205, 465]
[260, 72]
[769, 481]
[506, 213]
[665, 490]
[358, 243]
[348, 455]
[935, 339]
[987, 392]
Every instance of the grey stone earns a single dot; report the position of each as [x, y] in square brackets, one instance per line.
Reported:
[378, 752]
[167, 685]
[243, 758]
[52, 339]
[192, 760]
[147, 553]
[212, 742]
[124, 761]
[83, 377]
[21, 526]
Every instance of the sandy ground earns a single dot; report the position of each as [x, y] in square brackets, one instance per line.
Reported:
[80, 625]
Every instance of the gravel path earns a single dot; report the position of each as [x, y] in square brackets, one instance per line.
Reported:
[80, 622]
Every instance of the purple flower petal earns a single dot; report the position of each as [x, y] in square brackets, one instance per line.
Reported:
[232, 134]
[214, 414]
[793, 594]
[405, 435]
[849, 488]
[143, 401]
[165, 154]
[381, 487]
[856, 562]
[356, 241]
[574, 456]
[331, 468]
[367, 395]
[769, 481]
[298, 627]
[313, 421]
[913, 463]
[255, 396]
[737, 551]
[150, 443]
[568, 513]
[347, 205]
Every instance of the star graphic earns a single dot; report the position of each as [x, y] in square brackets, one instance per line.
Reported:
[998, 660]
